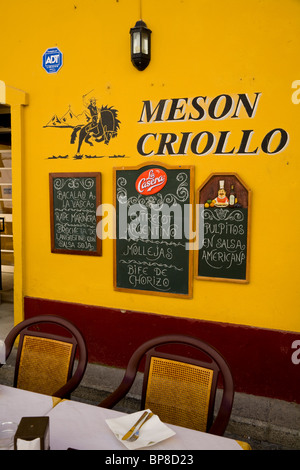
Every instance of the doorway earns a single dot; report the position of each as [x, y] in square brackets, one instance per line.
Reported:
[6, 214]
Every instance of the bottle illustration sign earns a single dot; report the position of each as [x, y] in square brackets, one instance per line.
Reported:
[223, 229]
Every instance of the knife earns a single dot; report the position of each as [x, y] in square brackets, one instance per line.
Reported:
[131, 430]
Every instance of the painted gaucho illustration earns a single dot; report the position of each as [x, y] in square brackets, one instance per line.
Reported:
[94, 124]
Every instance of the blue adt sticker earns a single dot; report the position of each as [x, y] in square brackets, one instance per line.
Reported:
[52, 60]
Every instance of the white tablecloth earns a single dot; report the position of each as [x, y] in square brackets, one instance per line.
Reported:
[80, 426]
[16, 403]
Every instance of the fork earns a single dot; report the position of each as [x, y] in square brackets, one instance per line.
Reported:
[136, 434]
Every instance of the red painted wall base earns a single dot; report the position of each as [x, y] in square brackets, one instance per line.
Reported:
[260, 359]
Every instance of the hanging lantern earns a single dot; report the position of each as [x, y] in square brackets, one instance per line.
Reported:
[140, 45]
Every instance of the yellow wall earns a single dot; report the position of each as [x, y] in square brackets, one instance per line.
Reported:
[199, 48]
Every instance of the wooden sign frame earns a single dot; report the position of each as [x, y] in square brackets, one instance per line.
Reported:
[84, 252]
[206, 198]
[139, 169]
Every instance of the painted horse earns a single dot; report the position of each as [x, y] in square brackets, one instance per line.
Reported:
[100, 130]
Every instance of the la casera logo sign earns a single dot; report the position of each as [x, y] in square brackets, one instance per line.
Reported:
[151, 181]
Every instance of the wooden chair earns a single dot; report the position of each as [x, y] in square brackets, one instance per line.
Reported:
[181, 390]
[44, 361]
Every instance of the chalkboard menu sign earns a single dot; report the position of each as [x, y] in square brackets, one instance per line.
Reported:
[74, 198]
[153, 220]
[223, 229]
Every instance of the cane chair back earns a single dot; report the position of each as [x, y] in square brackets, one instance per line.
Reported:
[180, 389]
[179, 393]
[45, 361]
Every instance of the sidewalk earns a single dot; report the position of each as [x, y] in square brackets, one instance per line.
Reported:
[266, 424]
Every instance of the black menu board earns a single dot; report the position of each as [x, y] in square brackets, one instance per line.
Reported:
[153, 217]
[223, 229]
[74, 198]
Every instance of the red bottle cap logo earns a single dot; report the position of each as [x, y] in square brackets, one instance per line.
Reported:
[151, 181]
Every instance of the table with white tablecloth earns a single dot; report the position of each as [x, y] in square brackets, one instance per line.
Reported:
[16, 404]
[81, 426]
